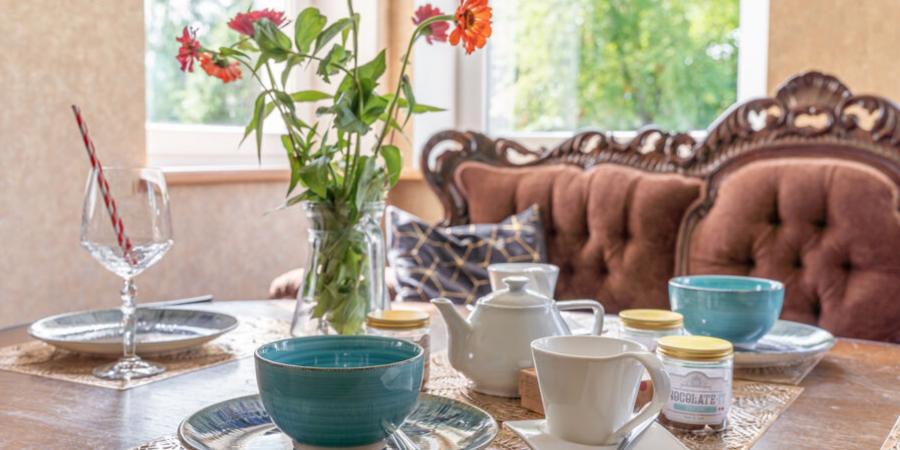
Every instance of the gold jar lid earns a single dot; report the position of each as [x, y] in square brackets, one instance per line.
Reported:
[694, 348]
[397, 319]
[651, 319]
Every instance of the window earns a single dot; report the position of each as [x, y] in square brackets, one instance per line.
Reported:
[176, 98]
[553, 67]
[562, 65]
[194, 120]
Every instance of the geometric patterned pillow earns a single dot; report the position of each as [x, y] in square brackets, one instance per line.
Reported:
[430, 261]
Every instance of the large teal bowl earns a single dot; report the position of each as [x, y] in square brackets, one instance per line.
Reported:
[739, 309]
[339, 391]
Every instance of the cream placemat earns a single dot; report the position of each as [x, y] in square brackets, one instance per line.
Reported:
[755, 407]
[38, 358]
[892, 442]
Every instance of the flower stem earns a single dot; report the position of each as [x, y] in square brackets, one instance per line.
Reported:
[391, 112]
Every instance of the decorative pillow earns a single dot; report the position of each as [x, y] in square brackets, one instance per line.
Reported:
[430, 261]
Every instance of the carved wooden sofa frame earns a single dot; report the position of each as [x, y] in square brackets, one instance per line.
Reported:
[807, 111]
[812, 115]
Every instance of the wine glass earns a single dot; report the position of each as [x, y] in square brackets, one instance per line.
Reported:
[142, 204]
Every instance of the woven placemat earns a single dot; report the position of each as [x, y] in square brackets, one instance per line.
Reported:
[792, 374]
[38, 358]
[755, 407]
[892, 442]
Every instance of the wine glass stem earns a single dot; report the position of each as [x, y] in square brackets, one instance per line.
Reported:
[129, 324]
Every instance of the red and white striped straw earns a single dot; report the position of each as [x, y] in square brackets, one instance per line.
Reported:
[118, 226]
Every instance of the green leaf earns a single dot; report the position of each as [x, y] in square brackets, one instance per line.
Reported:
[308, 25]
[373, 69]
[345, 33]
[305, 196]
[294, 162]
[228, 51]
[418, 108]
[315, 176]
[393, 162]
[374, 108]
[406, 87]
[309, 96]
[259, 113]
[272, 42]
[346, 120]
[284, 99]
[246, 45]
[330, 63]
[329, 33]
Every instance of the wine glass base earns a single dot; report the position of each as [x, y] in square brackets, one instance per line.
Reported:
[128, 369]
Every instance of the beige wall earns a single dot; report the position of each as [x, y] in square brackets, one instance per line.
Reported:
[855, 40]
[91, 52]
[83, 52]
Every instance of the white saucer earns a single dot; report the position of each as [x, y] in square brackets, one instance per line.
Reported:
[656, 437]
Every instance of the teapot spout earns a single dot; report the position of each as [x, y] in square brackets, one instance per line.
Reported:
[458, 330]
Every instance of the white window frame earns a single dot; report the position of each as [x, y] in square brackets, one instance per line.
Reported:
[181, 147]
[463, 89]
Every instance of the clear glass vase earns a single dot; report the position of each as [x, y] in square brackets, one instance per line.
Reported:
[344, 278]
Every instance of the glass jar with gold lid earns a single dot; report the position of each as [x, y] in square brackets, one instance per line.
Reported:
[700, 369]
[409, 325]
[647, 325]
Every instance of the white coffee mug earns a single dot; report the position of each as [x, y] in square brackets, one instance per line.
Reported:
[589, 385]
[541, 277]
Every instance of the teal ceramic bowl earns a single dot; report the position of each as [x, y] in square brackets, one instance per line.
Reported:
[739, 309]
[339, 391]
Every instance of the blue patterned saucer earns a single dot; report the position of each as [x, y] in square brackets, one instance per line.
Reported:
[242, 423]
[159, 330]
[787, 343]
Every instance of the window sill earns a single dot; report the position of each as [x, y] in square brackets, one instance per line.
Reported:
[206, 175]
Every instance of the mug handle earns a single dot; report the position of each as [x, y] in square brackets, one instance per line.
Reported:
[661, 389]
[597, 329]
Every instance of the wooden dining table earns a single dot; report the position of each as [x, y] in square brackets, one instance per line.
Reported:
[850, 400]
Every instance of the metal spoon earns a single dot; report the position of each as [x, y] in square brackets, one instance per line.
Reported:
[636, 433]
[398, 439]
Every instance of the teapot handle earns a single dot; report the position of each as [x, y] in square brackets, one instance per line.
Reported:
[597, 329]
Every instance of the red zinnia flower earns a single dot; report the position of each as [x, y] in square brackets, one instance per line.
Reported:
[473, 24]
[243, 22]
[437, 31]
[190, 49]
[220, 68]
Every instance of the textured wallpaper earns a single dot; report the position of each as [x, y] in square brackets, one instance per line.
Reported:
[851, 39]
[91, 52]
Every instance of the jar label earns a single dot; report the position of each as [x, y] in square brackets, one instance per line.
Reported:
[697, 398]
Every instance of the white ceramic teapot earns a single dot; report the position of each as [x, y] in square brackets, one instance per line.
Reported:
[495, 342]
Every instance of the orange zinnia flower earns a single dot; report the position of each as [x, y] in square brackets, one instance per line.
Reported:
[220, 68]
[473, 24]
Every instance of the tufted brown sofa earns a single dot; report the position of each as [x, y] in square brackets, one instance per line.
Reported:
[803, 187]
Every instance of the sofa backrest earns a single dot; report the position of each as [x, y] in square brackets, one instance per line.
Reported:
[816, 164]
[811, 198]
[611, 230]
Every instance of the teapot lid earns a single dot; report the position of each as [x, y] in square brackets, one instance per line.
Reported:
[515, 294]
